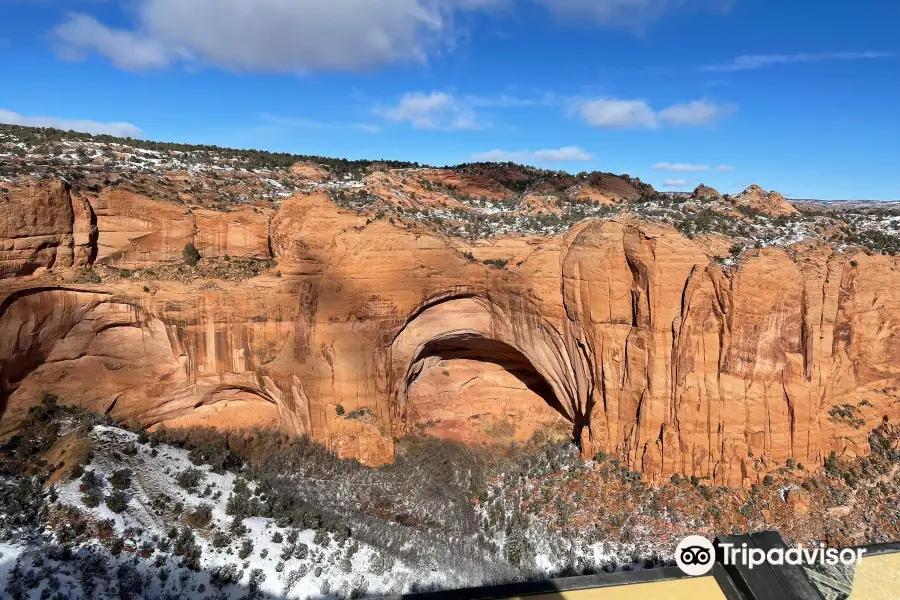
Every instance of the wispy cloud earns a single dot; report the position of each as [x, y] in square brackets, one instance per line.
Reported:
[760, 61]
[679, 167]
[676, 183]
[504, 100]
[613, 113]
[292, 122]
[689, 168]
[275, 122]
[367, 127]
[630, 14]
[559, 155]
[118, 129]
[695, 113]
[435, 111]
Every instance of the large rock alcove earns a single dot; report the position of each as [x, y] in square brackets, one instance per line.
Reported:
[473, 384]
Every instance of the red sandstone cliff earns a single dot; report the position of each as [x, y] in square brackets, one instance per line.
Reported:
[622, 333]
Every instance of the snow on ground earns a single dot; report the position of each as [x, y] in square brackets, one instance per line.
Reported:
[9, 554]
[296, 566]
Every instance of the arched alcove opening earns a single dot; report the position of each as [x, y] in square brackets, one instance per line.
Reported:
[468, 387]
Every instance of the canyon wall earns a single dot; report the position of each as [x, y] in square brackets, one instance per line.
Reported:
[622, 334]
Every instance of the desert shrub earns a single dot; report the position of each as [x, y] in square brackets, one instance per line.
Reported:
[90, 481]
[200, 516]
[187, 548]
[190, 478]
[76, 472]
[287, 552]
[359, 587]
[496, 262]
[346, 565]
[246, 549]
[117, 501]
[376, 564]
[301, 551]
[121, 479]
[237, 527]
[320, 537]
[91, 498]
[224, 576]
[190, 254]
[256, 579]
[221, 539]
[848, 414]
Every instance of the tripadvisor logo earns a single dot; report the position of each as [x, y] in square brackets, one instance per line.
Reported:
[695, 555]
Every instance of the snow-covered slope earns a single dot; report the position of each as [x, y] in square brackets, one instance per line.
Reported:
[263, 559]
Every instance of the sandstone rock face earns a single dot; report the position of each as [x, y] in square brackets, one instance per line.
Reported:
[479, 401]
[136, 230]
[625, 335]
[44, 225]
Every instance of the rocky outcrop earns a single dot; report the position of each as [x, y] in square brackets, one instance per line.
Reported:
[704, 191]
[759, 199]
[310, 171]
[626, 335]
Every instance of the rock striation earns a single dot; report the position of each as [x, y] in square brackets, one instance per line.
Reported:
[625, 335]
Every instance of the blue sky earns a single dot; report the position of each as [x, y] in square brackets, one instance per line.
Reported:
[796, 96]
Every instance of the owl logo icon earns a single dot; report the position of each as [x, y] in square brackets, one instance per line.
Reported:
[695, 555]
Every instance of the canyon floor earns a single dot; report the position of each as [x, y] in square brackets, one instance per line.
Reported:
[415, 377]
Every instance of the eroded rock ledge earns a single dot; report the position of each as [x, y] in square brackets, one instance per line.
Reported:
[622, 334]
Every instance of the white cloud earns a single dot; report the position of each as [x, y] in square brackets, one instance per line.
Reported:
[690, 168]
[435, 110]
[679, 167]
[609, 113]
[564, 154]
[311, 35]
[760, 61]
[83, 33]
[94, 127]
[612, 113]
[632, 14]
[676, 183]
[694, 113]
[271, 35]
